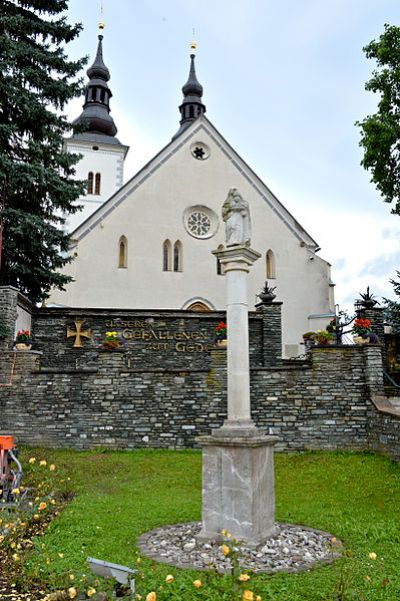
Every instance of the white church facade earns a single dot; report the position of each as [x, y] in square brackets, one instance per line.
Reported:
[148, 244]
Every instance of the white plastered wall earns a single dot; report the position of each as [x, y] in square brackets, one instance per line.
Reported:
[154, 211]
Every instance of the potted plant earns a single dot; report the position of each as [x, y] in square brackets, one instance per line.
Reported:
[221, 335]
[361, 330]
[309, 339]
[323, 337]
[111, 341]
[23, 340]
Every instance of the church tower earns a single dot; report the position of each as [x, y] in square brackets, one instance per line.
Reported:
[103, 155]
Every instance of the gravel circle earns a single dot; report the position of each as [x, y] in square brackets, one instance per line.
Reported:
[292, 549]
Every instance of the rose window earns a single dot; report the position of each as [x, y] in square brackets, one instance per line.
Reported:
[199, 224]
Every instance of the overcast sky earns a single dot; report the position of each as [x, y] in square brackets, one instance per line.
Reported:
[284, 83]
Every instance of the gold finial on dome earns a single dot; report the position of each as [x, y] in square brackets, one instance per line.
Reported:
[193, 44]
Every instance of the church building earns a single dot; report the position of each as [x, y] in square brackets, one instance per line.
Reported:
[147, 244]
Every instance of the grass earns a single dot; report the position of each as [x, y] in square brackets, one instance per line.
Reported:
[120, 495]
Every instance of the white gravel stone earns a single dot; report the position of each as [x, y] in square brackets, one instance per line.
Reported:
[292, 548]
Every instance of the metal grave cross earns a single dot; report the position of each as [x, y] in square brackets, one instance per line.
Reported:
[79, 333]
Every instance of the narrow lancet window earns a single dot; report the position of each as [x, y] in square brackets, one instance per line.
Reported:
[123, 252]
[178, 256]
[220, 270]
[90, 183]
[270, 265]
[97, 184]
[167, 256]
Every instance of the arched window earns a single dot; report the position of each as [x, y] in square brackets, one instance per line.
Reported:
[219, 264]
[198, 306]
[123, 252]
[178, 256]
[270, 265]
[167, 256]
[90, 183]
[97, 184]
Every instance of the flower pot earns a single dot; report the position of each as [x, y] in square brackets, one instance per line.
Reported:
[360, 340]
[221, 343]
[23, 346]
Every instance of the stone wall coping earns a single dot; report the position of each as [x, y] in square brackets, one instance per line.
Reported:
[71, 312]
[237, 441]
[383, 405]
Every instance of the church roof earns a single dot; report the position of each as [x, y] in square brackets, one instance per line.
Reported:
[182, 138]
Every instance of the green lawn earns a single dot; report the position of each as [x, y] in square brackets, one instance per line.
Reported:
[120, 495]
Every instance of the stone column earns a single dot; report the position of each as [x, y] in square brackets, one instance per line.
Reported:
[236, 261]
[8, 315]
[238, 476]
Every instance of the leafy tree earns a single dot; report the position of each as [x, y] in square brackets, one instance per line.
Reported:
[36, 185]
[380, 132]
[392, 308]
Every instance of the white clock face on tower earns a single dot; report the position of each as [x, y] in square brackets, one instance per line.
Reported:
[200, 222]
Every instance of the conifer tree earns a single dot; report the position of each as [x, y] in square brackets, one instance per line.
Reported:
[392, 308]
[36, 185]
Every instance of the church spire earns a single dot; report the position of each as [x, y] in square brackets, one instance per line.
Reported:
[192, 106]
[96, 111]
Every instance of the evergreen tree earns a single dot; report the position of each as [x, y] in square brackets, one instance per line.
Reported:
[392, 308]
[380, 132]
[36, 185]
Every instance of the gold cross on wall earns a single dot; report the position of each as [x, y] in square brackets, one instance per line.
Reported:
[79, 333]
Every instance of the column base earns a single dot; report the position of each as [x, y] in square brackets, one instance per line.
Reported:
[238, 485]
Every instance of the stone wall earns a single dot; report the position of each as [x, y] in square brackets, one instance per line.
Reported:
[8, 315]
[167, 384]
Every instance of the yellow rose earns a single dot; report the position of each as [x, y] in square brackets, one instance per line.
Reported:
[52, 467]
[91, 591]
[258, 598]
[15, 491]
[372, 555]
[42, 506]
[244, 577]
[248, 595]
[72, 592]
[43, 462]
[32, 459]
[197, 583]
[169, 579]
[225, 550]
[151, 596]
[15, 557]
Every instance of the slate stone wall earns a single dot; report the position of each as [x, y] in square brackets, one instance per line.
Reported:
[8, 314]
[167, 384]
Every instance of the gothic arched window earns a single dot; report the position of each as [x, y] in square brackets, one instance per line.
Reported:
[270, 265]
[167, 256]
[178, 256]
[97, 185]
[219, 264]
[123, 252]
[90, 183]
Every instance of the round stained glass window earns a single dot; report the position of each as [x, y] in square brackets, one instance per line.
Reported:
[199, 224]
[200, 221]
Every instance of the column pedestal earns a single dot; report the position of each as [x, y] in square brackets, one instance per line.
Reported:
[238, 486]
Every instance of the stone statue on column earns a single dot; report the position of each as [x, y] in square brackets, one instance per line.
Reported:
[236, 215]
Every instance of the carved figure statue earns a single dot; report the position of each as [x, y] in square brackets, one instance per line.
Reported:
[236, 214]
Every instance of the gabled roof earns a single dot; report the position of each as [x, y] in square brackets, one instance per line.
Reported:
[201, 124]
